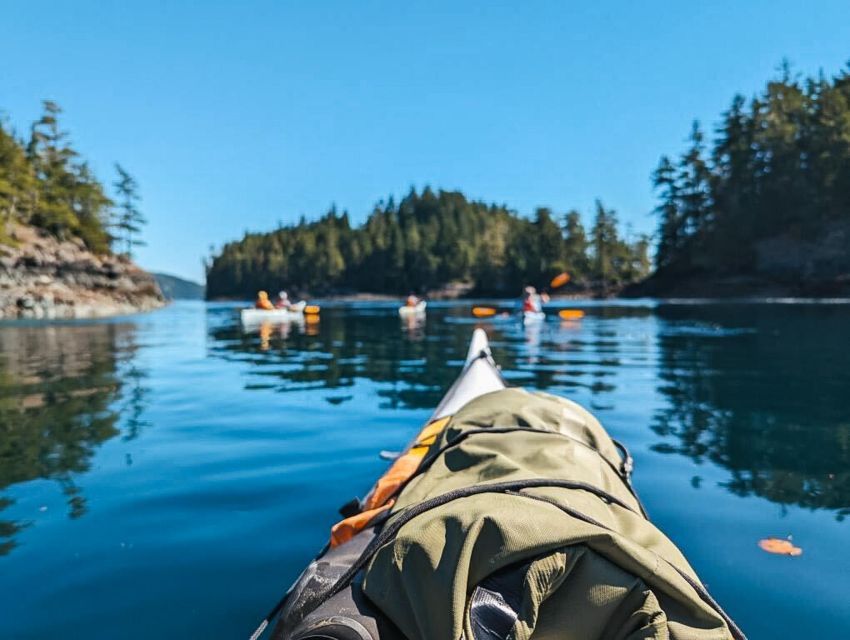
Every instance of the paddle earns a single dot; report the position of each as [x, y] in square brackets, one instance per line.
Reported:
[571, 314]
[311, 309]
[483, 312]
[560, 280]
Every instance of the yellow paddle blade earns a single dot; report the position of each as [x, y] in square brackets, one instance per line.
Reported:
[571, 314]
[560, 280]
[483, 312]
[311, 318]
[311, 309]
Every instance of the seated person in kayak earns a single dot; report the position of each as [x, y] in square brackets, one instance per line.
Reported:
[263, 301]
[283, 301]
[532, 301]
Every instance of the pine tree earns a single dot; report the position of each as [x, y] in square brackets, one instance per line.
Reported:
[670, 231]
[52, 158]
[129, 218]
[605, 245]
[17, 183]
[575, 246]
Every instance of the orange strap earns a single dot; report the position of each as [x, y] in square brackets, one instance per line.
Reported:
[378, 499]
[345, 530]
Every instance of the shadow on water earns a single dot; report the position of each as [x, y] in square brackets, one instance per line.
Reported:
[63, 389]
[761, 391]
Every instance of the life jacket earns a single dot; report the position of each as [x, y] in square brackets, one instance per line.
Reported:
[530, 304]
[515, 518]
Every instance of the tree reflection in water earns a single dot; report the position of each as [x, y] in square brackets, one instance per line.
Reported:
[759, 390]
[62, 391]
[752, 391]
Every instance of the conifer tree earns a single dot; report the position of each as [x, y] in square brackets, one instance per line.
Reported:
[128, 218]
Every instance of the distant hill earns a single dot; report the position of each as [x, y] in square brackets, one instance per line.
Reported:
[174, 288]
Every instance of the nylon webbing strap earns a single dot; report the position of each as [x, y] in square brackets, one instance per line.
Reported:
[624, 473]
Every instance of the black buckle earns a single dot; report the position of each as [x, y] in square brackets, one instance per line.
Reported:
[351, 508]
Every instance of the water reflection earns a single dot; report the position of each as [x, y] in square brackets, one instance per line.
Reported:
[758, 390]
[62, 390]
[762, 392]
[415, 359]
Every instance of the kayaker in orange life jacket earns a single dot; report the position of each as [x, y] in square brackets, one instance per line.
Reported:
[263, 301]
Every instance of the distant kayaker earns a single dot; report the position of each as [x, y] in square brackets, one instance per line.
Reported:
[263, 301]
[533, 301]
[411, 301]
[283, 301]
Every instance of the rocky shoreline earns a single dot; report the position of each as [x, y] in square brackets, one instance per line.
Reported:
[45, 278]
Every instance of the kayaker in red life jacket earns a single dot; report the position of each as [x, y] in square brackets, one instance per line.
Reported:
[533, 301]
[282, 301]
[263, 301]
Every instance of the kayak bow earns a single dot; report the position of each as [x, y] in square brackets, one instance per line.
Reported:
[500, 489]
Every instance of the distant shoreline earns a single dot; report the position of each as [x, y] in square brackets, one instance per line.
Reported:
[731, 289]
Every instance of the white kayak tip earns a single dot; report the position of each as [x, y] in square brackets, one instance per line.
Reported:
[479, 343]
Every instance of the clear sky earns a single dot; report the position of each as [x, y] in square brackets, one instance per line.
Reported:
[241, 115]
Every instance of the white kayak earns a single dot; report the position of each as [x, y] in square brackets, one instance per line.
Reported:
[418, 310]
[480, 375]
[530, 317]
[257, 316]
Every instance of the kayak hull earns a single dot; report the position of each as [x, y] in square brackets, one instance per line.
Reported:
[532, 317]
[258, 316]
[480, 375]
[418, 310]
[347, 615]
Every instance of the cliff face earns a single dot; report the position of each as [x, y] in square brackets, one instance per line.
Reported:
[42, 277]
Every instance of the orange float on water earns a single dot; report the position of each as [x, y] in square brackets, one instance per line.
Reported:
[780, 546]
[483, 312]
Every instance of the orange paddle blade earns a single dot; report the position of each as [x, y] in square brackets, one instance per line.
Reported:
[483, 312]
[560, 280]
[311, 309]
[311, 319]
[571, 314]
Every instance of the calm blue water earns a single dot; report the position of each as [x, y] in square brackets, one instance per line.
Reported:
[168, 475]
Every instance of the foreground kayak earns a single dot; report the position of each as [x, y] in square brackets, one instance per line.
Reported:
[417, 310]
[256, 316]
[510, 515]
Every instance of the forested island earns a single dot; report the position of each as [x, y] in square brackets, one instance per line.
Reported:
[765, 206]
[760, 208]
[65, 245]
[429, 240]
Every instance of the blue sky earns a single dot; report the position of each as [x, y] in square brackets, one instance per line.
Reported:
[241, 115]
